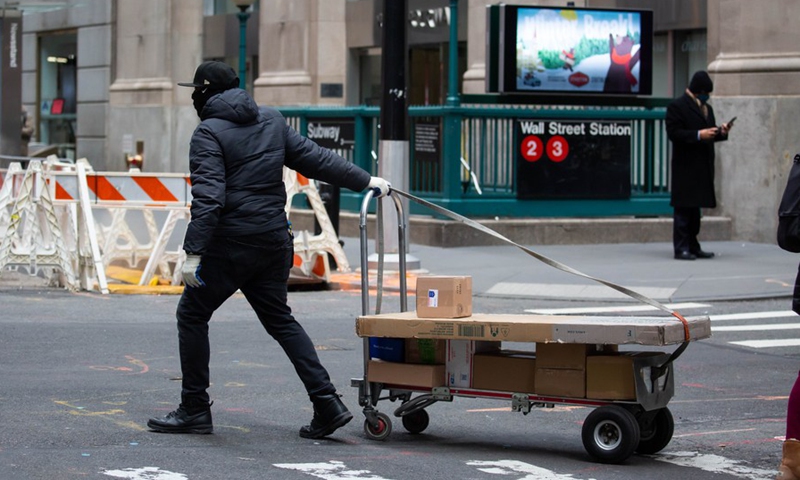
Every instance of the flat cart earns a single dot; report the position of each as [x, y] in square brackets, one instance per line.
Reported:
[613, 430]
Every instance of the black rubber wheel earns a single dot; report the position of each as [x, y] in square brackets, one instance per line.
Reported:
[416, 422]
[610, 434]
[656, 433]
[381, 431]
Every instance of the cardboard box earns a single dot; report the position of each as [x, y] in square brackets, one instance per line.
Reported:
[460, 355]
[389, 349]
[656, 331]
[505, 371]
[425, 350]
[444, 297]
[612, 377]
[563, 355]
[561, 382]
[406, 374]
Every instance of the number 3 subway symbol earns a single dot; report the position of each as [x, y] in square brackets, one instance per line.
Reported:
[557, 148]
[532, 148]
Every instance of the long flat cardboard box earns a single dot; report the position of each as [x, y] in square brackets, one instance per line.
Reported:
[616, 330]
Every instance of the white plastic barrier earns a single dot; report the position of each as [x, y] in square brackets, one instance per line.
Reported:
[86, 221]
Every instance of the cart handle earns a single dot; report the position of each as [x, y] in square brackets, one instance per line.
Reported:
[362, 224]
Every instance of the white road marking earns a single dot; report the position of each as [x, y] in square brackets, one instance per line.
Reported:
[789, 342]
[615, 308]
[715, 464]
[510, 467]
[550, 290]
[145, 473]
[333, 470]
[757, 328]
[752, 315]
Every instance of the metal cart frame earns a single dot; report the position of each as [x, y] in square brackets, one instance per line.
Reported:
[611, 433]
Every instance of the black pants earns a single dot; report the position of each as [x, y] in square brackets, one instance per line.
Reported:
[685, 228]
[258, 265]
[796, 294]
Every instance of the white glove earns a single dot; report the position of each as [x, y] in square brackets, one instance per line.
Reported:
[381, 186]
[191, 270]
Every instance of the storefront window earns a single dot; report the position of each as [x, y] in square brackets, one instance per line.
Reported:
[221, 7]
[57, 97]
[691, 55]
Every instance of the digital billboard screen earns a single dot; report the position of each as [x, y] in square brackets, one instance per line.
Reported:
[571, 50]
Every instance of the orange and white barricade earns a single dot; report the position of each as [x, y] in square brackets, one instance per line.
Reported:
[125, 205]
[311, 251]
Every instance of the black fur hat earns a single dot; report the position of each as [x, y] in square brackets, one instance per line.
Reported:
[701, 82]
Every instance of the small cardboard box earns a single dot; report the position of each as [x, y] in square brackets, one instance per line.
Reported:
[460, 355]
[612, 377]
[444, 297]
[406, 374]
[561, 382]
[426, 350]
[505, 371]
[563, 355]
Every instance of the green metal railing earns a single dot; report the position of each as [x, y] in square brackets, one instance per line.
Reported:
[483, 136]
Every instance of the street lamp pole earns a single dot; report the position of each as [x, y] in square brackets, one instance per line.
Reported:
[243, 15]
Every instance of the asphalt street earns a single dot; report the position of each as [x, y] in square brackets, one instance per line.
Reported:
[82, 373]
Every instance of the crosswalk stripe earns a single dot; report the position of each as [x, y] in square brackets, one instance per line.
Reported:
[788, 342]
[757, 328]
[615, 308]
[752, 315]
[716, 464]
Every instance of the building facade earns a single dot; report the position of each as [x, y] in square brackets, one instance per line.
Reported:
[99, 76]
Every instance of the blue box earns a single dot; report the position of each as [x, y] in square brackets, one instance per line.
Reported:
[388, 349]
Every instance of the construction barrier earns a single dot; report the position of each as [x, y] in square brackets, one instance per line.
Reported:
[84, 224]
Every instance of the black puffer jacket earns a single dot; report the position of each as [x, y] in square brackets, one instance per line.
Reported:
[236, 161]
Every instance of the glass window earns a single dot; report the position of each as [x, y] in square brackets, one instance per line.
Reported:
[691, 55]
[57, 96]
[222, 7]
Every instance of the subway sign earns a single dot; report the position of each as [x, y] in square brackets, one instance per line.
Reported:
[573, 159]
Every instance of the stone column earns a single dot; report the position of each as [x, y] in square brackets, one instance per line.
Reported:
[755, 65]
[158, 43]
[302, 46]
[475, 76]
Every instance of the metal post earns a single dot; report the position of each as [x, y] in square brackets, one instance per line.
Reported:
[243, 16]
[451, 156]
[452, 72]
[393, 148]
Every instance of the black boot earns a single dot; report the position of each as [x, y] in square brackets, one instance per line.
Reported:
[330, 413]
[188, 418]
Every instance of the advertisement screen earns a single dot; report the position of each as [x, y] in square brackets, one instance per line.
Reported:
[575, 50]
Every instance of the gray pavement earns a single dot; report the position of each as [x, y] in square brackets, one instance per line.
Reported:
[738, 271]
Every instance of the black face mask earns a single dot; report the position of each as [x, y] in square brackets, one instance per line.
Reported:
[200, 97]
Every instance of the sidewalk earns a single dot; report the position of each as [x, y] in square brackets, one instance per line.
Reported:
[739, 271]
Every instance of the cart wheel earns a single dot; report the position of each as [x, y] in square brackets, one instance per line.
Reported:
[656, 433]
[610, 434]
[416, 422]
[381, 431]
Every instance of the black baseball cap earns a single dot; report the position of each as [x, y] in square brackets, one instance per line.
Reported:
[215, 75]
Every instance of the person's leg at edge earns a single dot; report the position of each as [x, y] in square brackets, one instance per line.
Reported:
[267, 293]
[681, 234]
[194, 311]
[694, 229]
[789, 468]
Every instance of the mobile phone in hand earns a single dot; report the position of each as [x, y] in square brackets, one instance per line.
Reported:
[730, 122]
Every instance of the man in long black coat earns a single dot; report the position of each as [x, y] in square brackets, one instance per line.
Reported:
[693, 130]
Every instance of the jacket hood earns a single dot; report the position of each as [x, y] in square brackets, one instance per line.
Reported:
[234, 105]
